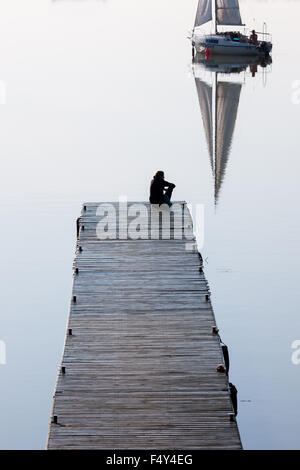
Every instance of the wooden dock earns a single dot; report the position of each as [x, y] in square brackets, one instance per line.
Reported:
[139, 363]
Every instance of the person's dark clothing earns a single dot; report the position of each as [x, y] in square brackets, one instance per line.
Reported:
[157, 190]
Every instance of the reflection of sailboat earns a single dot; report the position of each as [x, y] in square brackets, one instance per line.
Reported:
[219, 103]
[219, 126]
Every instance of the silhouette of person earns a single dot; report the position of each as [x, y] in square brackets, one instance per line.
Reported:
[158, 192]
[253, 38]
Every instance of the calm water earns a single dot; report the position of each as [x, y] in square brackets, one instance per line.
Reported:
[96, 96]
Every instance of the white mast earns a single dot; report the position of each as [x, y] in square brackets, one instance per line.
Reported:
[214, 13]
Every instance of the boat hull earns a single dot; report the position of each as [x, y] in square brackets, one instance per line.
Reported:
[228, 50]
[221, 45]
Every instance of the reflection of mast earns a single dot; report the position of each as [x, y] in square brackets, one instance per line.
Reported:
[205, 100]
[227, 102]
[215, 84]
[219, 126]
[219, 103]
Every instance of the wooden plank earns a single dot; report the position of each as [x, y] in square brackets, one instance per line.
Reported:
[140, 365]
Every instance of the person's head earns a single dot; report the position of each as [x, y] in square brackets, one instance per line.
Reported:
[253, 31]
[159, 174]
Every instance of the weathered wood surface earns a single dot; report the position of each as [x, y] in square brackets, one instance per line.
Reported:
[141, 362]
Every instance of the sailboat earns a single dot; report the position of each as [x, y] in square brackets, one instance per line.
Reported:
[226, 13]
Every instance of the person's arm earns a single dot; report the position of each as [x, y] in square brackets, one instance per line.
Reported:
[169, 185]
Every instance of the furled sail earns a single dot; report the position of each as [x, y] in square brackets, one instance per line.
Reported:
[204, 12]
[205, 100]
[228, 12]
[228, 96]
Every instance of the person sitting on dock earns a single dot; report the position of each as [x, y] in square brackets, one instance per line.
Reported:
[158, 195]
[253, 38]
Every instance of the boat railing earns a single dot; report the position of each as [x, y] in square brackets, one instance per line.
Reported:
[261, 35]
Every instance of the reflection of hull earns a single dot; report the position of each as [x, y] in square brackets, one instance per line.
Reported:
[229, 64]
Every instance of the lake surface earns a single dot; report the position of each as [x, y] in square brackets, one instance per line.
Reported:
[95, 97]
